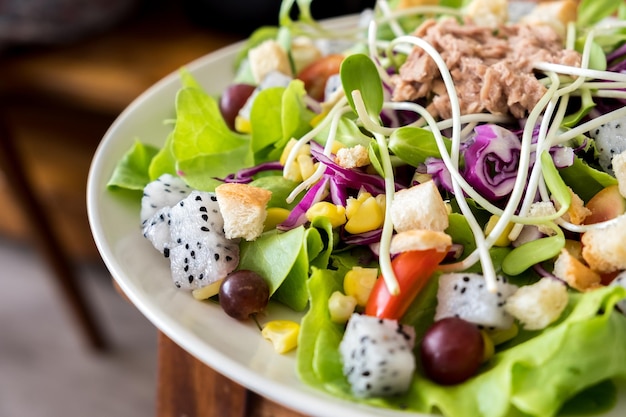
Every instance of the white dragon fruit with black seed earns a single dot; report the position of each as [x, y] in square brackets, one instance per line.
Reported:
[377, 356]
[158, 198]
[465, 295]
[200, 253]
[165, 191]
[157, 230]
[610, 140]
[620, 280]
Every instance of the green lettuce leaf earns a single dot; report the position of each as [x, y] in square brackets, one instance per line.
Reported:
[562, 363]
[131, 172]
[203, 145]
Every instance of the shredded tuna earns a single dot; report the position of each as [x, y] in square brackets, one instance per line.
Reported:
[492, 70]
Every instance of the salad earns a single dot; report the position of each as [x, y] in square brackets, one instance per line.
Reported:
[441, 190]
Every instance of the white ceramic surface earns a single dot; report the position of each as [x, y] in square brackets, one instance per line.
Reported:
[234, 349]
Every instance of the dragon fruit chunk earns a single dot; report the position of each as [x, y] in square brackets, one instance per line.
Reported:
[465, 295]
[157, 230]
[158, 197]
[377, 356]
[200, 253]
[165, 191]
[610, 140]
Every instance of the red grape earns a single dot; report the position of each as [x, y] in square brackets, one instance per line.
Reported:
[232, 100]
[243, 293]
[452, 351]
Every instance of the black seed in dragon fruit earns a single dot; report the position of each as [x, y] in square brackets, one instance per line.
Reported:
[200, 253]
[465, 295]
[158, 198]
[610, 140]
[377, 356]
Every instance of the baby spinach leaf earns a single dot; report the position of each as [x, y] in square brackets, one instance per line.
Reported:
[413, 145]
[358, 72]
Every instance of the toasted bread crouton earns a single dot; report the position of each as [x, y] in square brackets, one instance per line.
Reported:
[556, 14]
[419, 207]
[267, 57]
[420, 240]
[490, 13]
[619, 169]
[538, 305]
[407, 4]
[304, 52]
[604, 247]
[577, 211]
[243, 208]
[540, 209]
[354, 157]
[577, 275]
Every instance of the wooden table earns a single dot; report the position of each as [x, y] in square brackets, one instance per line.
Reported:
[187, 387]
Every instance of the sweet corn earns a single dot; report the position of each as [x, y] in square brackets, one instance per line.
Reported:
[364, 216]
[283, 334]
[305, 165]
[358, 283]
[489, 349]
[502, 335]
[503, 240]
[335, 213]
[275, 216]
[341, 306]
[304, 150]
[207, 291]
[243, 125]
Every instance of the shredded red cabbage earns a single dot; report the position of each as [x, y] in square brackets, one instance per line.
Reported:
[297, 216]
[246, 175]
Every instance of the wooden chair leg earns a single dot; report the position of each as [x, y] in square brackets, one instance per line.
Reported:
[46, 240]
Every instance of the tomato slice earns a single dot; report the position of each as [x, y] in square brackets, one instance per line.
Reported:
[413, 269]
[317, 73]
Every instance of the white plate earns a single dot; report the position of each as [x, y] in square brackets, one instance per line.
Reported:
[232, 348]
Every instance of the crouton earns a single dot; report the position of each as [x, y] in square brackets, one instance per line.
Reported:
[540, 209]
[407, 4]
[538, 305]
[354, 157]
[619, 169]
[304, 52]
[267, 57]
[490, 13]
[420, 240]
[577, 275]
[556, 14]
[577, 212]
[243, 208]
[419, 207]
[604, 247]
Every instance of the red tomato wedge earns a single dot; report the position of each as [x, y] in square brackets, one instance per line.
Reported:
[316, 74]
[413, 269]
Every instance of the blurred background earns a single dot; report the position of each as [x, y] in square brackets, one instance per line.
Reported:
[70, 344]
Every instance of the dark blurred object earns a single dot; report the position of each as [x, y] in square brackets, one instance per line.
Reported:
[243, 16]
[44, 22]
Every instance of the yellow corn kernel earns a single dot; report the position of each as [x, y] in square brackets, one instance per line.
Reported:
[358, 282]
[368, 216]
[503, 240]
[353, 204]
[282, 333]
[275, 216]
[336, 146]
[243, 125]
[382, 202]
[304, 150]
[207, 291]
[503, 335]
[489, 349]
[341, 306]
[306, 166]
[335, 213]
